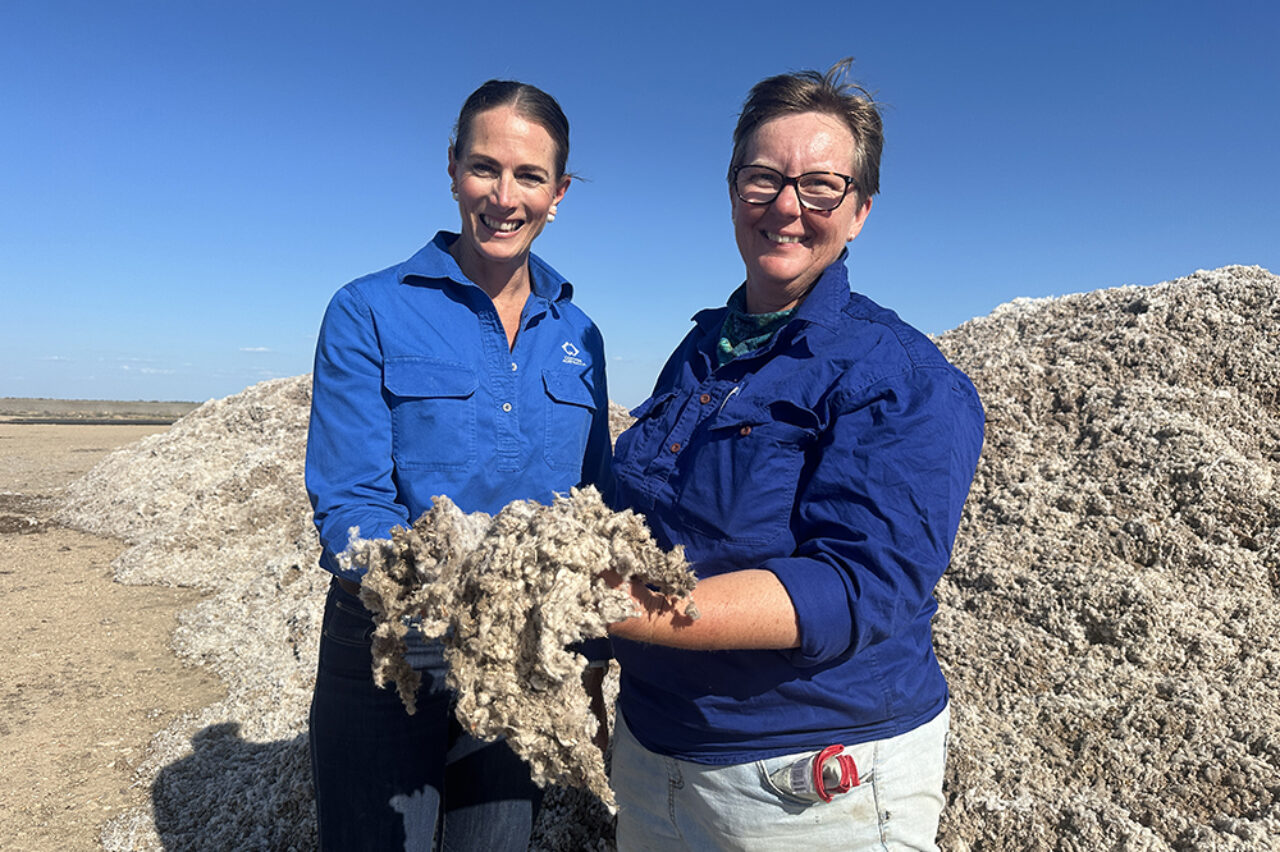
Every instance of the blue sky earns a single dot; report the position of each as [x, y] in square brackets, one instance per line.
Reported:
[185, 184]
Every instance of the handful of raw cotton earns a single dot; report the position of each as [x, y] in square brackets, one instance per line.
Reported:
[508, 593]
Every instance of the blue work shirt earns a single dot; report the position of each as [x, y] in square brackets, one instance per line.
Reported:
[838, 456]
[415, 393]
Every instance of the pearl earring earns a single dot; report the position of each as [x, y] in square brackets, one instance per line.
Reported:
[551, 214]
[454, 191]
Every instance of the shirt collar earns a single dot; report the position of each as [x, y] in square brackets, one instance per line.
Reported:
[821, 305]
[828, 295]
[434, 261]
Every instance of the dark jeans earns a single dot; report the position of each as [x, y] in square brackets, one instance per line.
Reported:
[382, 775]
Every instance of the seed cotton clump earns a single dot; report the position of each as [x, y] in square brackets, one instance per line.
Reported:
[507, 595]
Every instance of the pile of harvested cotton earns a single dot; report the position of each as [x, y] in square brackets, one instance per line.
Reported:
[1109, 624]
[217, 502]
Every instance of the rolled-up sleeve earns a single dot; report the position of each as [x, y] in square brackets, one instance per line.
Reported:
[877, 513]
[349, 462]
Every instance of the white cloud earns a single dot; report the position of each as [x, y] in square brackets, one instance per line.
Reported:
[255, 349]
[147, 371]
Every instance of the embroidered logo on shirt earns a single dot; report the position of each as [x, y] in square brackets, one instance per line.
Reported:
[571, 355]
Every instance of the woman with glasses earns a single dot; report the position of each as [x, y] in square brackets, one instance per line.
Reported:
[812, 454]
[466, 371]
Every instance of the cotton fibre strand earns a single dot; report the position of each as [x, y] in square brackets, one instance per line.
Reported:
[507, 595]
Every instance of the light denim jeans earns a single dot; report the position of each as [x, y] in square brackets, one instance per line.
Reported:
[669, 804]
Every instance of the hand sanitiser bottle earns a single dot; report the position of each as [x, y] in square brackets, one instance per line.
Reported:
[820, 776]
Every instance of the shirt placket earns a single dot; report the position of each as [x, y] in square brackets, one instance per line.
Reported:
[503, 378]
[704, 403]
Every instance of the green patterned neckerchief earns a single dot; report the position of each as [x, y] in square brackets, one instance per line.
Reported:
[743, 332]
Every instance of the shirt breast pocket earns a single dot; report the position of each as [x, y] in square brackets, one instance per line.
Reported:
[571, 405]
[741, 480]
[433, 412]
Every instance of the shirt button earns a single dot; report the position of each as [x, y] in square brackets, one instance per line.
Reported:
[513, 366]
[506, 406]
[744, 431]
[675, 448]
[705, 398]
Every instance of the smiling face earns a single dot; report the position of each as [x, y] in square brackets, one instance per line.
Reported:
[784, 246]
[506, 183]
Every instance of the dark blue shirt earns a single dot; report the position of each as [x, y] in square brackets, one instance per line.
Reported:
[838, 457]
[415, 393]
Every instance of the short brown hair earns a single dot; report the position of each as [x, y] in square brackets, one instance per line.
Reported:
[831, 93]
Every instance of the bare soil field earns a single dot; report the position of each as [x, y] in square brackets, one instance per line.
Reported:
[92, 411]
[90, 675]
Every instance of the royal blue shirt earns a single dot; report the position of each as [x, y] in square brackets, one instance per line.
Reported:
[838, 457]
[415, 393]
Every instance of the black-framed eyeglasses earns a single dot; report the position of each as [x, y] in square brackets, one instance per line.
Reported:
[816, 190]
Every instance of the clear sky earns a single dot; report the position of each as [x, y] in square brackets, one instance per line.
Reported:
[183, 185]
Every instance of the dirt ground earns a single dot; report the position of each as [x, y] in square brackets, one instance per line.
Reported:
[90, 674]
